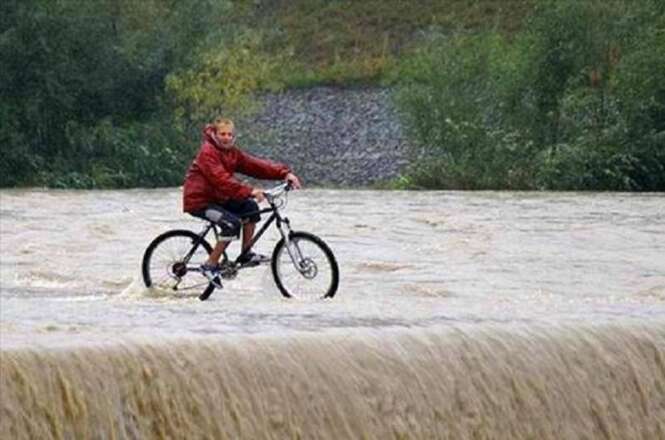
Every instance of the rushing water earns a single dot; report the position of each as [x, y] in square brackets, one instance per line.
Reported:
[461, 315]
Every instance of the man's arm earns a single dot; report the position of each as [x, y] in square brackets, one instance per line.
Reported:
[261, 168]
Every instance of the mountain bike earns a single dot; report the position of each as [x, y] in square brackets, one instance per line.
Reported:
[302, 264]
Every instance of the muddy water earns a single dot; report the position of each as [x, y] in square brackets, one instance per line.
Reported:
[512, 315]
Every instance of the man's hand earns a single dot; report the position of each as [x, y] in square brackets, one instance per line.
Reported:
[293, 180]
[258, 195]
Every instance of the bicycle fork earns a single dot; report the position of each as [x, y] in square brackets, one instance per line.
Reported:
[299, 262]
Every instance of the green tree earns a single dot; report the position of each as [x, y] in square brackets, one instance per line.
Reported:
[575, 101]
[67, 65]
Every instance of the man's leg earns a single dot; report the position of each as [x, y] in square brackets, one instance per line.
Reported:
[229, 224]
[216, 253]
[210, 268]
[247, 235]
[247, 209]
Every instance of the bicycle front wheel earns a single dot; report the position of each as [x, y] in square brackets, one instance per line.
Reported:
[171, 262]
[305, 268]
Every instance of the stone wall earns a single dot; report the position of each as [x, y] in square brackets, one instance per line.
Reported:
[330, 136]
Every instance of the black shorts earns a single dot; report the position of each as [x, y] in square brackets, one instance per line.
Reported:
[231, 214]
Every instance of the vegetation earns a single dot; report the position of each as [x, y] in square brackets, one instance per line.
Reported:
[576, 100]
[344, 42]
[112, 93]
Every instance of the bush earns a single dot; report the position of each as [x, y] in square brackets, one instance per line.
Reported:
[223, 80]
[575, 101]
[148, 154]
[452, 107]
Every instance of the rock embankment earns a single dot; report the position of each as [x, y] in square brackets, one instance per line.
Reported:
[330, 136]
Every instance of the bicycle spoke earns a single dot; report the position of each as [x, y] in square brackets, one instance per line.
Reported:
[167, 259]
[312, 281]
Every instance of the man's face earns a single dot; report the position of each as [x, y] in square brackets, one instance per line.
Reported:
[225, 136]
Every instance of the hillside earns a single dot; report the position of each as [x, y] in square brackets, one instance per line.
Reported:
[346, 41]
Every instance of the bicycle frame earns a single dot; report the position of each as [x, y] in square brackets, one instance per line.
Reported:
[283, 226]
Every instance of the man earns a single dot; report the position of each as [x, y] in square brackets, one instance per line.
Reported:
[212, 192]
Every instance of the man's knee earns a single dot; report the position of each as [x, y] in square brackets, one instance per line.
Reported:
[250, 209]
[251, 205]
[230, 227]
[228, 223]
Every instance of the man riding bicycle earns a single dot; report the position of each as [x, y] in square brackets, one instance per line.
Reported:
[212, 192]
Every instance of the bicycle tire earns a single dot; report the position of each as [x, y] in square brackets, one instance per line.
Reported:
[314, 243]
[149, 272]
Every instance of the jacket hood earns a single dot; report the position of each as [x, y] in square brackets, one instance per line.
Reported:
[208, 132]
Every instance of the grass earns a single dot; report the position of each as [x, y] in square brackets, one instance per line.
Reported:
[347, 42]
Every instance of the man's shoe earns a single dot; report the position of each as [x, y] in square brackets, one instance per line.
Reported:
[253, 259]
[211, 271]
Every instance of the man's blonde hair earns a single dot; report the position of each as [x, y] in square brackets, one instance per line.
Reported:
[221, 123]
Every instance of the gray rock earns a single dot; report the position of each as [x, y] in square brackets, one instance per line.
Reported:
[330, 136]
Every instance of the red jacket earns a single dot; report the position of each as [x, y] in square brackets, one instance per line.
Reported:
[210, 176]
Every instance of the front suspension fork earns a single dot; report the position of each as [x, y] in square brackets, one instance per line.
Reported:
[291, 246]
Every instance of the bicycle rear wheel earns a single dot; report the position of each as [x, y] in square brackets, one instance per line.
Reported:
[306, 268]
[170, 265]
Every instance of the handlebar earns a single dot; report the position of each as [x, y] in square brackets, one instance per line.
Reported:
[276, 191]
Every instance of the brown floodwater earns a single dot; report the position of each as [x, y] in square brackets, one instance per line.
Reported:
[458, 315]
